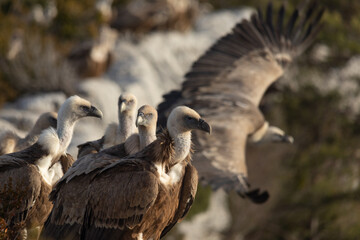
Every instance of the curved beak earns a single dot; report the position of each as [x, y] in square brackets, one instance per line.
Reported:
[94, 112]
[139, 120]
[287, 139]
[122, 106]
[204, 126]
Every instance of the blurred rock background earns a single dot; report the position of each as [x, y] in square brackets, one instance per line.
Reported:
[314, 184]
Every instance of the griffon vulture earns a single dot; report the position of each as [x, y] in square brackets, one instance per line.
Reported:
[93, 58]
[27, 177]
[141, 16]
[11, 142]
[226, 84]
[149, 192]
[115, 133]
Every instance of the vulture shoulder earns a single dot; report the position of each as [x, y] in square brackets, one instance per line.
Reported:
[90, 147]
[93, 162]
[21, 158]
[187, 196]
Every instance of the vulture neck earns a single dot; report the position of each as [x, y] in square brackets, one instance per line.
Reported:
[146, 135]
[182, 145]
[126, 126]
[65, 129]
[33, 135]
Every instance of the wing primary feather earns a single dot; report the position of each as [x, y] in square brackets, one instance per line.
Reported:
[280, 23]
[291, 23]
[269, 18]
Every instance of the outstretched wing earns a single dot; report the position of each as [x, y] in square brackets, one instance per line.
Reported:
[226, 84]
[250, 58]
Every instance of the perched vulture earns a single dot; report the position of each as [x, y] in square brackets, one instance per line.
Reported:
[93, 58]
[11, 142]
[27, 177]
[226, 84]
[141, 196]
[141, 16]
[115, 133]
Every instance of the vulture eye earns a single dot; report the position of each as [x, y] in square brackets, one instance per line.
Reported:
[85, 108]
[150, 114]
[131, 101]
[189, 118]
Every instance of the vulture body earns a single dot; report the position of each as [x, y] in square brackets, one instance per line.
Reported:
[27, 176]
[149, 192]
[226, 84]
[11, 142]
[115, 133]
[142, 16]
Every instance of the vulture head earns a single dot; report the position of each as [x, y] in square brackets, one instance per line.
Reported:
[127, 103]
[46, 120]
[184, 119]
[270, 134]
[275, 134]
[75, 108]
[147, 116]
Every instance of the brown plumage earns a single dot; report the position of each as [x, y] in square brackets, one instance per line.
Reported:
[27, 176]
[226, 85]
[148, 192]
[11, 142]
[141, 16]
[90, 164]
[115, 133]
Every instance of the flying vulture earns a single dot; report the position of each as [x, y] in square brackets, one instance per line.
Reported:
[141, 16]
[27, 177]
[115, 133]
[11, 142]
[226, 85]
[141, 196]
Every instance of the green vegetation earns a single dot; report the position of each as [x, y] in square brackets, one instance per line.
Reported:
[201, 202]
[320, 195]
